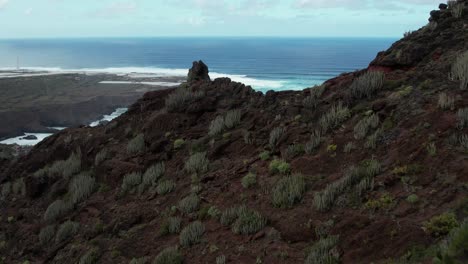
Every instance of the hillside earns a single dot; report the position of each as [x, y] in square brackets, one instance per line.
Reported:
[370, 167]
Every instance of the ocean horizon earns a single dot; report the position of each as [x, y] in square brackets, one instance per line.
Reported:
[265, 63]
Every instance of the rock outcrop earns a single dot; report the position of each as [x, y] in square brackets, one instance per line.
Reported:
[198, 72]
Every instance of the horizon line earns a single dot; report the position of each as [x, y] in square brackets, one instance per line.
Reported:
[200, 37]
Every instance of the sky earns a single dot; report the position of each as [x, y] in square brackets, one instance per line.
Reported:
[196, 18]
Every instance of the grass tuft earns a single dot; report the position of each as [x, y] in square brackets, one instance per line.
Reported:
[66, 230]
[136, 145]
[334, 117]
[197, 163]
[191, 234]
[169, 256]
[367, 85]
[288, 191]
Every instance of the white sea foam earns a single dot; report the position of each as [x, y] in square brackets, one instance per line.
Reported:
[24, 142]
[118, 112]
[167, 84]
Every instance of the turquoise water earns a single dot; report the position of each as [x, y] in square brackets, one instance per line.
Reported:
[264, 63]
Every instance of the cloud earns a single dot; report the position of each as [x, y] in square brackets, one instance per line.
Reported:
[3, 3]
[116, 9]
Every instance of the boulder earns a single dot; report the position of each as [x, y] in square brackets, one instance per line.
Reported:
[443, 6]
[30, 137]
[198, 72]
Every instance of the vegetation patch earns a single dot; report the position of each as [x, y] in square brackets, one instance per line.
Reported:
[197, 163]
[249, 180]
[275, 137]
[314, 142]
[221, 123]
[165, 187]
[322, 251]
[191, 234]
[100, 157]
[460, 68]
[179, 143]
[265, 155]
[446, 102]
[288, 191]
[46, 234]
[367, 85]
[169, 256]
[55, 210]
[171, 226]
[81, 187]
[130, 182]
[334, 117]
[189, 204]
[441, 225]
[66, 230]
[152, 175]
[178, 100]
[365, 125]
[279, 166]
[311, 101]
[136, 145]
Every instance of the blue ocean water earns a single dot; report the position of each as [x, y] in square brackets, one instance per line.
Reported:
[264, 63]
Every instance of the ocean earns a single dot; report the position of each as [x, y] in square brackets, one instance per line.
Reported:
[263, 63]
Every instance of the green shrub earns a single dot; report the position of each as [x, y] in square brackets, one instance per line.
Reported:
[385, 202]
[288, 191]
[349, 147]
[440, 225]
[165, 187]
[55, 210]
[367, 85]
[275, 137]
[314, 142]
[197, 163]
[81, 187]
[180, 98]
[293, 151]
[446, 102]
[311, 101]
[65, 168]
[334, 117]
[265, 155]
[143, 260]
[248, 222]
[152, 175]
[66, 230]
[454, 249]
[191, 234]
[365, 125]
[189, 204]
[431, 149]
[136, 145]
[462, 116]
[169, 256]
[232, 119]
[91, 257]
[460, 69]
[179, 143]
[321, 251]
[372, 140]
[130, 182]
[214, 212]
[216, 126]
[171, 226]
[249, 180]
[229, 216]
[279, 166]
[247, 135]
[46, 234]
[413, 198]
[100, 157]
[221, 259]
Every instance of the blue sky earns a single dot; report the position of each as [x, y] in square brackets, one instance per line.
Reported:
[132, 18]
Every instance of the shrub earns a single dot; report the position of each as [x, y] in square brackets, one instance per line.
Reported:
[446, 102]
[247, 135]
[143, 260]
[65, 168]
[232, 119]
[197, 163]
[131, 181]
[136, 145]
[460, 70]
[314, 142]
[384, 202]
[171, 226]
[66, 230]
[349, 147]
[19, 187]
[180, 98]
[275, 137]
[221, 259]
[454, 248]
[81, 187]
[456, 8]
[248, 222]
[312, 100]
[169, 256]
[91, 257]
[216, 126]
[189, 204]
[321, 251]
[279, 166]
[288, 191]
[179, 143]
[265, 155]
[249, 180]
[365, 125]
[431, 149]
[191, 234]
[100, 157]
[152, 175]
[46, 234]
[214, 212]
[165, 187]
[334, 117]
[367, 85]
[440, 225]
[462, 116]
[413, 198]
[371, 142]
[229, 216]
[56, 210]
[293, 151]
[6, 190]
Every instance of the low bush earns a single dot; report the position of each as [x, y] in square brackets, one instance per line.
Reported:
[288, 191]
[229, 216]
[372, 140]
[169, 256]
[322, 251]
[412, 199]
[367, 85]
[65, 168]
[179, 143]
[446, 102]
[349, 147]
[221, 259]
[248, 222]
[453, 250]
[197, 163]
[312, 100]
[431, 149]
[130, 182]
[214, 212]
[152, 175]
[81, 187]
[143, 260]
[249, 180]
[460, 70]
[171, 226]
[216, 126]
[136, 145]
[293, 151]
[55, 210]
[191, 234]
[189, 204]
[462, 116]
[180, 99]
[334, 117]
[456, 8]
[19, 187]
[314, 142]
[440, 225]
[279, 166]
[385, 202]
[165, 187]
[66, 230]
[91, 257]
[365, 125]
[100, 157]
[275, 137]
[46, 234]
[265, 155]
[232, 119]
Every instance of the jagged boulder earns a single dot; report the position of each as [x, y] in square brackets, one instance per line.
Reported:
[198, 72]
